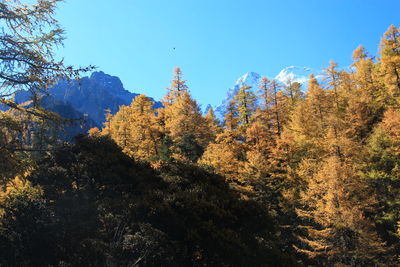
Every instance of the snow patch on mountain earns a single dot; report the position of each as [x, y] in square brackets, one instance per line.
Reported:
[296, 74]
[252, 79]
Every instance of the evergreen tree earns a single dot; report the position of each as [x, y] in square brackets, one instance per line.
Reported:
[292, 92]
[120, 127]
[308, 123]
[227, 156]
[337, 201]
[231, 120]
[381, 171]
[188, 129]
[277, 108]
[27, 40]
[213, 124]
[264, 113]
[367, 98]
[389, 52]
[245, 102]
[134, 128]
[177, 88]
[30, 33]
[333, 83]
[274, 110]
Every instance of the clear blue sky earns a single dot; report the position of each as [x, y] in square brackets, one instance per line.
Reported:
[217, 41]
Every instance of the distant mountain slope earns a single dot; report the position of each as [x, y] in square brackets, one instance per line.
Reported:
[80, 123]
[85, 99]
[70, 130]
[93, 95]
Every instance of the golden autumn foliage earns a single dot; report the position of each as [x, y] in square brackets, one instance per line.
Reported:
[245, 106]
[260, 142]
[177, 88]
[184, 117]
[275, 103]
[213, 123]
[94, 131]
[337, 201]
[390, 61]
[322, 159]
[178, 130]
[134, 128]
[18, 187]
[292, 174]
[391, 124]
[226, 155]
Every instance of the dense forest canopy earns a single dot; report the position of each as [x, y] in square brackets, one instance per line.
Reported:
[291, 176]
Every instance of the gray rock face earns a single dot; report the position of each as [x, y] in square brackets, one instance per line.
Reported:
[93, 95]
[80, 124]
[85, 99]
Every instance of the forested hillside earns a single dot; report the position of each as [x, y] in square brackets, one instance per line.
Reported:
[293, 176]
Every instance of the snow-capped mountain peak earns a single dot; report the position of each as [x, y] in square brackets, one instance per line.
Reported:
[296, 74]
[291, 73]
[250, 79]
